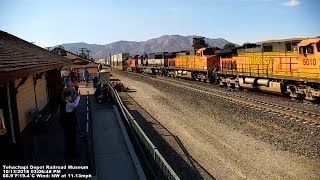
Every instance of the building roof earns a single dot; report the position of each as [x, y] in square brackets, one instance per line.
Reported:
[19, 58]
[69, 55]
[309, 41]
[223, 51]
[281, 40]
[81, 66]
[72, 56]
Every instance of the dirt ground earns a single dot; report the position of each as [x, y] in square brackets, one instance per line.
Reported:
[213, 140]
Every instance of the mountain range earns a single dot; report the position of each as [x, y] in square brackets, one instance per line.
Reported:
[166, 43]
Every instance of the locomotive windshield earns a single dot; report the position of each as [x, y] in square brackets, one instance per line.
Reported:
[306, 49]
[318, 46]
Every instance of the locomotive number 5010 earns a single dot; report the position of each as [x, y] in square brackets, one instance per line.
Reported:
[310, 62]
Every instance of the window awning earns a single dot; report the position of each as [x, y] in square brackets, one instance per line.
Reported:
[309, 41]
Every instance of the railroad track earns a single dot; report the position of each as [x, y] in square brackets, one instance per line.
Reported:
[303, 105]
[290, 113]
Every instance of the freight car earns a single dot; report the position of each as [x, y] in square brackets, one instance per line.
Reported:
[157, 63]
[290, 66]
[118, 61]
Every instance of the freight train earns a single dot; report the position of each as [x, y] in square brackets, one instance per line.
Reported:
[289, 66]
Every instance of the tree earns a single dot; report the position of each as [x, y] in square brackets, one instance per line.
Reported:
[83, 55]
[249, 45]
[198, 43]
[229, 46]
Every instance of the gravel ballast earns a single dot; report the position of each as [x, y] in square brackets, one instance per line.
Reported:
[230, 141]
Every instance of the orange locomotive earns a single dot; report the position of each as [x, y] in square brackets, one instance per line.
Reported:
[195, 66]
[290, 66]
[132, 63]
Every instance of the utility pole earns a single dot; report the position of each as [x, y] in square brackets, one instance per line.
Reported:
[82, 51]
[88, 51]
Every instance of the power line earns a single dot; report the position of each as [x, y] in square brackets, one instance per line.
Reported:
[82, 49]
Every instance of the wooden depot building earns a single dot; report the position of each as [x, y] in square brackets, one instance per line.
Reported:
[29, 78]
[78, 62]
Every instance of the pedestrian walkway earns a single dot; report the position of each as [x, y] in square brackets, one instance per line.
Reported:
[114, 155]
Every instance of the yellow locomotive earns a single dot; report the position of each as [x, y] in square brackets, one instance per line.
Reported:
[289, 66]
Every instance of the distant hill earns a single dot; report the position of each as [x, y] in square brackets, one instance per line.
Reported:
[166, 43]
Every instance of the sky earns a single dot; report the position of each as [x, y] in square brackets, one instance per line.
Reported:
[54, 22]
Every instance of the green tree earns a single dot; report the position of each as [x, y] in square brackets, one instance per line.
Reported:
[249, 45]
[229, 46]
[198, 43]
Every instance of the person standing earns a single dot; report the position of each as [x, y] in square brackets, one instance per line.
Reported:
[76, 85]
[69, 122]
[85, 75]
[71, 74]
[99, 69]
[64, 77]
[71, 88]
[78, 75]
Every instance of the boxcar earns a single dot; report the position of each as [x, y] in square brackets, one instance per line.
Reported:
[118, 61]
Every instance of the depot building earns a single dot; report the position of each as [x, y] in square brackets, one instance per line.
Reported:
[29, 79]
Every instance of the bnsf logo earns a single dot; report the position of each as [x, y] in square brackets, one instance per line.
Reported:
[310, 62]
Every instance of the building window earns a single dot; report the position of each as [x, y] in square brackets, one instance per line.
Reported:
[294, 46]
[267, 48]
[288, 47]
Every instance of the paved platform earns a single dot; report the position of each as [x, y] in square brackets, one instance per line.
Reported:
[114, 155]
[45, 146]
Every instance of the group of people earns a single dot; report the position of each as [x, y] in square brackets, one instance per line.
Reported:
[69, 102]
[74, 76]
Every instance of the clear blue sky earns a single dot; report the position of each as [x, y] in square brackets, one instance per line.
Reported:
[53, 22]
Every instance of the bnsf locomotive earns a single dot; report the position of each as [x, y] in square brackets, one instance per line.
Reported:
[289, 66]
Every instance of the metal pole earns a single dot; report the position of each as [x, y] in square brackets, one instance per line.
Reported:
[34, 90]
[10, 114]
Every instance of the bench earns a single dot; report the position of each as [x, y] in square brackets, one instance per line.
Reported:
[38, 117]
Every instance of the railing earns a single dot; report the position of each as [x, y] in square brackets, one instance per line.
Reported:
[163, 168]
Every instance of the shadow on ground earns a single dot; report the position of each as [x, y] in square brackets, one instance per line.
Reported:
[168, 144]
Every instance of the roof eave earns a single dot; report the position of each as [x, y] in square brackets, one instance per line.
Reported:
[6, 76]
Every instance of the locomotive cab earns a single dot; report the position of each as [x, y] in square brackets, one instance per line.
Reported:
[309, 51]
[309, 70]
